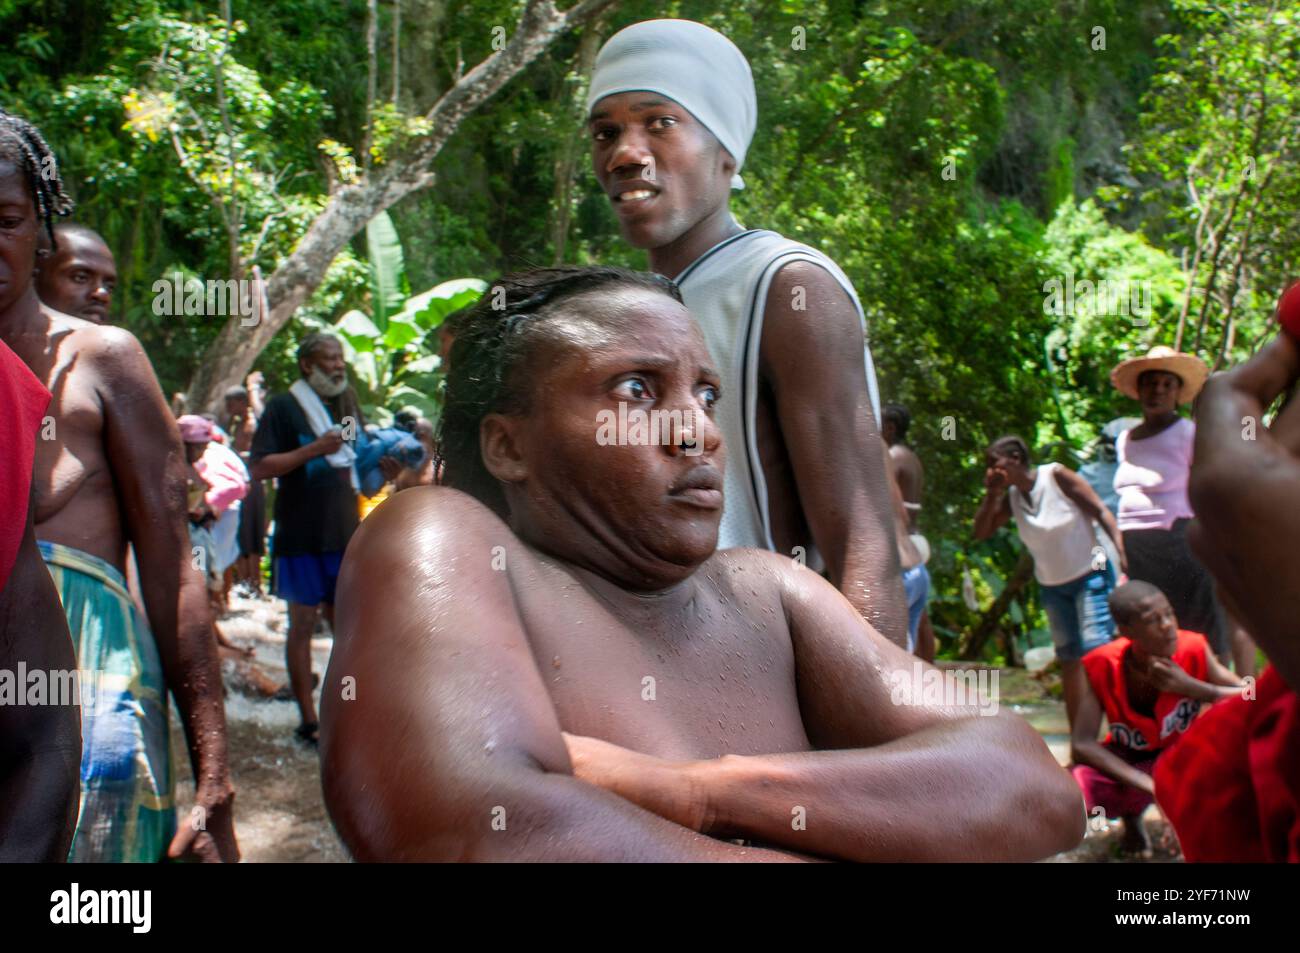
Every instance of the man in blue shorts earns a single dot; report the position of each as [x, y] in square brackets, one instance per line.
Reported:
[303, 441]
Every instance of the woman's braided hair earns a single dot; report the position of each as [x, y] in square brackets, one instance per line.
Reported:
[22, 144]
[494, 340]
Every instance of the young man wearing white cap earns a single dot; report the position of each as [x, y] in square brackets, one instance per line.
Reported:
[671, 112]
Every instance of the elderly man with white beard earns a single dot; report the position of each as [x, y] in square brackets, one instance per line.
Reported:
[303, 441]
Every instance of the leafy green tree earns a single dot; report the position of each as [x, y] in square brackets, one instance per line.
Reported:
[1124, 297]
[954, 156]
[1220, 129]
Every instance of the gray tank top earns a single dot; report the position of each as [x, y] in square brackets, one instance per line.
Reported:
[726, 290]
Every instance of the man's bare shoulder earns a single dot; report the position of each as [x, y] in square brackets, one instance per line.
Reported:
[810, 316]
[110, 344]
[901, 452]
[810, 278]
[104, 346]
[905, 457]
[60, 323]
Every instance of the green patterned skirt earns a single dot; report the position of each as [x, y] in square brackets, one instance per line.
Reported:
[127, 813]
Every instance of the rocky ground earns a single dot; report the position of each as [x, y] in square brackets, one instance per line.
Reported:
[279, 811]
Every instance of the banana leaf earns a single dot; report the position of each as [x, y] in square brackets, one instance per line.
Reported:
[388, 285]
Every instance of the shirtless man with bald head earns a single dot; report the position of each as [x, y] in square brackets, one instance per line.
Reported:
[109, 471]
[547, 659]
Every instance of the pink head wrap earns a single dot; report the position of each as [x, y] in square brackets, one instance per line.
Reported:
[195, 429]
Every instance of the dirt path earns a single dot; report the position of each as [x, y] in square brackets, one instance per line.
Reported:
[279, 812]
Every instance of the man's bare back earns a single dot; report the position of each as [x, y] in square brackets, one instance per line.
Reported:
[911, 479]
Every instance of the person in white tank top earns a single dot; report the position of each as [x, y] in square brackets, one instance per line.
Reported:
[1058, 514]
[671, 112]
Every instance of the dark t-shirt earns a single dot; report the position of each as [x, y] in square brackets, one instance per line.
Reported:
[315, 506]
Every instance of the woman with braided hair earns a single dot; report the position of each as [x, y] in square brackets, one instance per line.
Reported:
[40, 745]
[112, 476]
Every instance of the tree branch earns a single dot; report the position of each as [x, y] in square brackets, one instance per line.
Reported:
[231, 355]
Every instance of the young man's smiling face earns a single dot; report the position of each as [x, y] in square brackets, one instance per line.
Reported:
[19, 231]
[644, 514]
[661, 169]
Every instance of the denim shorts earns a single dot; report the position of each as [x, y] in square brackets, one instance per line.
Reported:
[1079, 615]
[309, 579]
[916, 586]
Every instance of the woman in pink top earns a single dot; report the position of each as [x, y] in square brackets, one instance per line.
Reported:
[214, 520]
[1155, 459]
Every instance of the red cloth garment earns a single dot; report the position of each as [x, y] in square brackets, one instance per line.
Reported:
[1174, 713]
[1231, 787]
[23, 400]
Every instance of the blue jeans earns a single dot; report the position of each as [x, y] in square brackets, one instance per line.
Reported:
[1079, 614]
[916, 586]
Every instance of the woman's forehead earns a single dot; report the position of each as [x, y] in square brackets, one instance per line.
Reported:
[13, 183]
[631, 318]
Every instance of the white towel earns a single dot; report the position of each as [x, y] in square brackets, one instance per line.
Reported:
[318, 419]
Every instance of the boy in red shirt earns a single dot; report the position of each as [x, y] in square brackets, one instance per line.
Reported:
[1151, 682]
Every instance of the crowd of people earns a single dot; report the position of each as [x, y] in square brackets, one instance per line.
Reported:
[550, 647]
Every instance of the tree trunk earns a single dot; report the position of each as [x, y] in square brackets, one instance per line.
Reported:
[232, 354]
[972, 645]
[567, 163]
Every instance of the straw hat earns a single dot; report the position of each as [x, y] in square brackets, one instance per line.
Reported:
[1191, 370]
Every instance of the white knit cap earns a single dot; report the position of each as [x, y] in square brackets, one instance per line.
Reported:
[691, 64]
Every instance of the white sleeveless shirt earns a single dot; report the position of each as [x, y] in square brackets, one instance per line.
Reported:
[1055, 531]
[726, 290]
